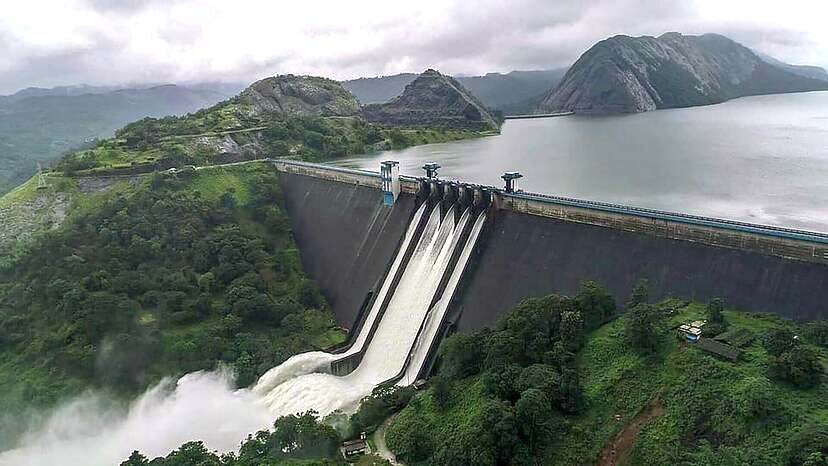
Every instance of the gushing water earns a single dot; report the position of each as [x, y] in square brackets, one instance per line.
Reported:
[203, 406]
[385, 356]
[89, 431]
[435, 316]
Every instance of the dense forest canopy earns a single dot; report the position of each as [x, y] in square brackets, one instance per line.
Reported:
[169, 276]
[559, 379]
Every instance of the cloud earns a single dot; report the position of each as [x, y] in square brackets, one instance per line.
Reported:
[106, 41]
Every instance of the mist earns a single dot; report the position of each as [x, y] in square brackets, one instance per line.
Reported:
[92, 430]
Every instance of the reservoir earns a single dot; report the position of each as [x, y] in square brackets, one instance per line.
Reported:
[760, 159]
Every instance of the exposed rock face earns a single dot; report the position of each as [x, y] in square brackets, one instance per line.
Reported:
[300, 95]
[433, 100]
[637, 74]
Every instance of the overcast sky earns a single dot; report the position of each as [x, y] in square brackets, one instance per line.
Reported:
[47, 43]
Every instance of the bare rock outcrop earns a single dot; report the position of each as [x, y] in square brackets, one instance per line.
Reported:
[300, 95]
[625, 74]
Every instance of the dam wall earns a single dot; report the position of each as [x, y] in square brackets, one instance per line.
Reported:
[346, 236]
[525, 255]
[535, 244]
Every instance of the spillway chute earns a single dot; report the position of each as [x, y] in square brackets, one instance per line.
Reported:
[403, 320]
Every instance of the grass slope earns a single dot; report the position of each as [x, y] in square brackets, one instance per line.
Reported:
[40, 128]
[233, 131]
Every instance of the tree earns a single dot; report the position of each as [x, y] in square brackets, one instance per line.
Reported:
[542, 377]
[189, 454]
[460, 356]
[817, 332]
[779, 340]
[595, 303]
[640, 294]
[412, 439]
[534, 415]
[714, 311]
[503, 348]
[799, 366]
[500, 381]
[806, 442]
[382, 402]
[716, 322]
[440, 392]
[640, 328]
[499, 429]
[136, 459]
[571, 329]
[309, 295]
[303, 437]
[815, 459]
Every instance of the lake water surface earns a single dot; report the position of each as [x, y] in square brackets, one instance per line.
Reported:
[758, 159]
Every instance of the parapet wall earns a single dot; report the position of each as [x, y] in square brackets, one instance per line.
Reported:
[343, 175]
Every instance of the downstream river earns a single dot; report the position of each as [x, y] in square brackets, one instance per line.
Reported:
[758, 159]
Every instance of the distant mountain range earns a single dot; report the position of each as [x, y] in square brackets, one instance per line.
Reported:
[38, 125]
[617, 75]
[514, 92]
[625, 74]
[807, 71]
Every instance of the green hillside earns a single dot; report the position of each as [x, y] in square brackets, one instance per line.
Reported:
[526, 393]
[40, 127]
[253, 125]
[149, 277]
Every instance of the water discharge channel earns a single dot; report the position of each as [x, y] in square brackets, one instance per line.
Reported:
[400, 328]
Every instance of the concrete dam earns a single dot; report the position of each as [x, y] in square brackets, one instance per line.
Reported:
[403, 260]
[398, 323]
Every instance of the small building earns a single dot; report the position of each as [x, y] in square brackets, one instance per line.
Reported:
[692, 331]
[353, 448]
[739, 338]
[719, 349]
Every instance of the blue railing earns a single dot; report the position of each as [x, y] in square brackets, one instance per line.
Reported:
[735, 225]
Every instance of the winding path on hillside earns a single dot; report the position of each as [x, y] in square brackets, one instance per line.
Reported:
[379, 441]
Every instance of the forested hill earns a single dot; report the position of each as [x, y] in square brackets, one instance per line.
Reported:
[39, 125]
[625, 74]
[303, 117]
[145, 277]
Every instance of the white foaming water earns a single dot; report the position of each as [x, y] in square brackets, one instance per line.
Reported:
[395, 334]
[359, 342]
[90, 432]
[203, 405]
[295, 366]
[436, 314]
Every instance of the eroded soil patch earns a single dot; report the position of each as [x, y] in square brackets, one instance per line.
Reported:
[617, 450]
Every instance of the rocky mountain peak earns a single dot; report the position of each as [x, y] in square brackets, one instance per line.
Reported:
[434, 100]
[300, 95]
[638, 74]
